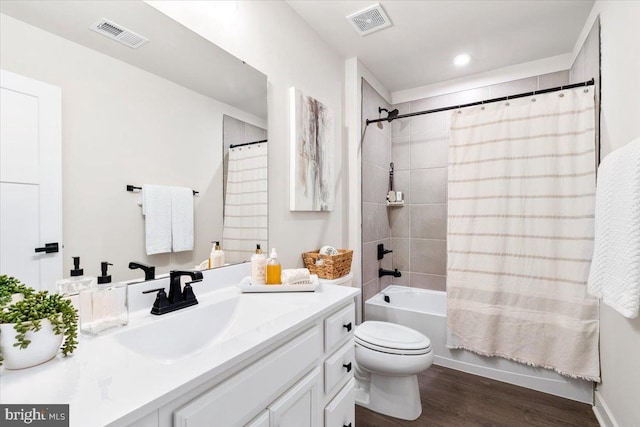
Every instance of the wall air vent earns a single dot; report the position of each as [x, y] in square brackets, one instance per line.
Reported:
[369, 20]
[118, 33]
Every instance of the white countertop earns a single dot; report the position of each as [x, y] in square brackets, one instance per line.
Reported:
[106, 383]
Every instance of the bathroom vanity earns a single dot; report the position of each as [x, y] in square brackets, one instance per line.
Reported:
[282, 359]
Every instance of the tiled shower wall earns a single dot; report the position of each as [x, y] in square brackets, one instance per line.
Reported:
[376, 156]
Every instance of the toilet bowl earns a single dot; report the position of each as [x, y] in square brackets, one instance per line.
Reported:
[388, 358]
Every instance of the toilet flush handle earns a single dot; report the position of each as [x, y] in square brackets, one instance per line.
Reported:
[346, 425]
[347, 366]
[348, 326]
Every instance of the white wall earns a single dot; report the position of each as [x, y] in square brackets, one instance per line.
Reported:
[272, 38]
[122, 125]
[618, 395]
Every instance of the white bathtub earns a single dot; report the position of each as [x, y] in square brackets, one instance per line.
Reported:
[425, 311]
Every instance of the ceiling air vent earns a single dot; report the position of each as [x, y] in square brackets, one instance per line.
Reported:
[118, 33]
[369, 20]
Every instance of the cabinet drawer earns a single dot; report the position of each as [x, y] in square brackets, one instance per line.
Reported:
[341, 411]
[338, 326]
[339, 366]
[232, 402]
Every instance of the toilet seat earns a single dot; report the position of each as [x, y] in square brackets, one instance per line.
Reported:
[391, 338]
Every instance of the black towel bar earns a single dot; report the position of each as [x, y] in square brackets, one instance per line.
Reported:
[133, 187]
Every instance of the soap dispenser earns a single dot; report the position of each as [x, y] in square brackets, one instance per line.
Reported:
[274, 269]
[103, 305]
[258, 267]
[77, 282]
[216, 259]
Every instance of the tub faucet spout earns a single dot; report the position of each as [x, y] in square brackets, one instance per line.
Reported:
[394, 273]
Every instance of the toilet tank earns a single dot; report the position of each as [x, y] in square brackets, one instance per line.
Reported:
[345, 280]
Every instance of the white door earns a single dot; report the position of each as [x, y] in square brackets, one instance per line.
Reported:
[30, 180]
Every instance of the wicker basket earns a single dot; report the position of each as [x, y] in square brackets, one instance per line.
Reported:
[332, 266]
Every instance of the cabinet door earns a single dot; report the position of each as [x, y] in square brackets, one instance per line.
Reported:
[341, 411]
[299, 406]
[261, 420]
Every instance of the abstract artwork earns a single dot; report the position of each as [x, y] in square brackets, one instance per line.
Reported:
[312, 141]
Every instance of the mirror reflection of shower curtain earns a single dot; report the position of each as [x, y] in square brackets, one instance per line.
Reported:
[246, 203]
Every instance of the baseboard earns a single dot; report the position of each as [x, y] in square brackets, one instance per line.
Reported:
[568, 388]
[602, 412]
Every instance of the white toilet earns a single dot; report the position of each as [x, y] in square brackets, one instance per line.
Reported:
[388, 360]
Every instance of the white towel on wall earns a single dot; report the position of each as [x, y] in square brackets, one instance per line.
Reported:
[615, 267]
[156, 207]
[182, 218]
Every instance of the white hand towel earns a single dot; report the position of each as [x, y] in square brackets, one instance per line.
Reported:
[182, 218]
[156, 208]
[295, 276]
[615, 267]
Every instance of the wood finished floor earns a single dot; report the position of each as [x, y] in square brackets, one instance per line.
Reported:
[456, 399]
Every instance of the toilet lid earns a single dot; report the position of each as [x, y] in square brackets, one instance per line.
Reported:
[392, 338]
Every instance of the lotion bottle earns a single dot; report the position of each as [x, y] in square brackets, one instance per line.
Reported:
[216, 259]
[274, 269]
[258, 267]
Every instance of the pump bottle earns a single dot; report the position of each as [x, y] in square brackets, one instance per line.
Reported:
[216, 258]
[258, 267]
[103, 305]
[76, 282]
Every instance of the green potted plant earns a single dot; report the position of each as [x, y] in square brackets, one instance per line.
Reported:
[32, 326]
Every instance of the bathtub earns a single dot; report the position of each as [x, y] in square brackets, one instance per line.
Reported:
[426, 311]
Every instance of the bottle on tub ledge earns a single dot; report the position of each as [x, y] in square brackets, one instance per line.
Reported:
[104, 304]
[258, 267]
[274, 269]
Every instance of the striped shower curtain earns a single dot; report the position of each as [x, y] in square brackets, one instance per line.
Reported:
[245, 207]
[520, 231]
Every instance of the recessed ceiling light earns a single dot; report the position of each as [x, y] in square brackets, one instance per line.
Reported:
[462, 59]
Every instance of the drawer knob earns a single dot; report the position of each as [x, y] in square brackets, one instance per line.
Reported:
[348, 366]
[348, 326]
[346, 425]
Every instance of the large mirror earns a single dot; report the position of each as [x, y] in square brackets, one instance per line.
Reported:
[133, 116]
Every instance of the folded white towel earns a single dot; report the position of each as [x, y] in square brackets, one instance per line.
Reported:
[156, 207]
[182, 218]
[615, 267]
[295, 276]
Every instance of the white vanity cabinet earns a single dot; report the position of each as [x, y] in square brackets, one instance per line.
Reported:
[305, 381]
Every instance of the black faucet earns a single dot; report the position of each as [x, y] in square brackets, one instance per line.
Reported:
[149, 270]
[394, 273]
[178, 298]
[382, 251]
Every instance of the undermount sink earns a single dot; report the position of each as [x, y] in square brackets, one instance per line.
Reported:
[174, 336]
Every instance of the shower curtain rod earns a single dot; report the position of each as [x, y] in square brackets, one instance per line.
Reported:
[487, 101]
[247, 143]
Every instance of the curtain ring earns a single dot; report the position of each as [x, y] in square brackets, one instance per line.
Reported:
[561, 95]
[507, 104]
[586, 90]
[533, 100]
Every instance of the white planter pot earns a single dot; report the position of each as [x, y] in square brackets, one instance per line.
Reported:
[44, 346]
